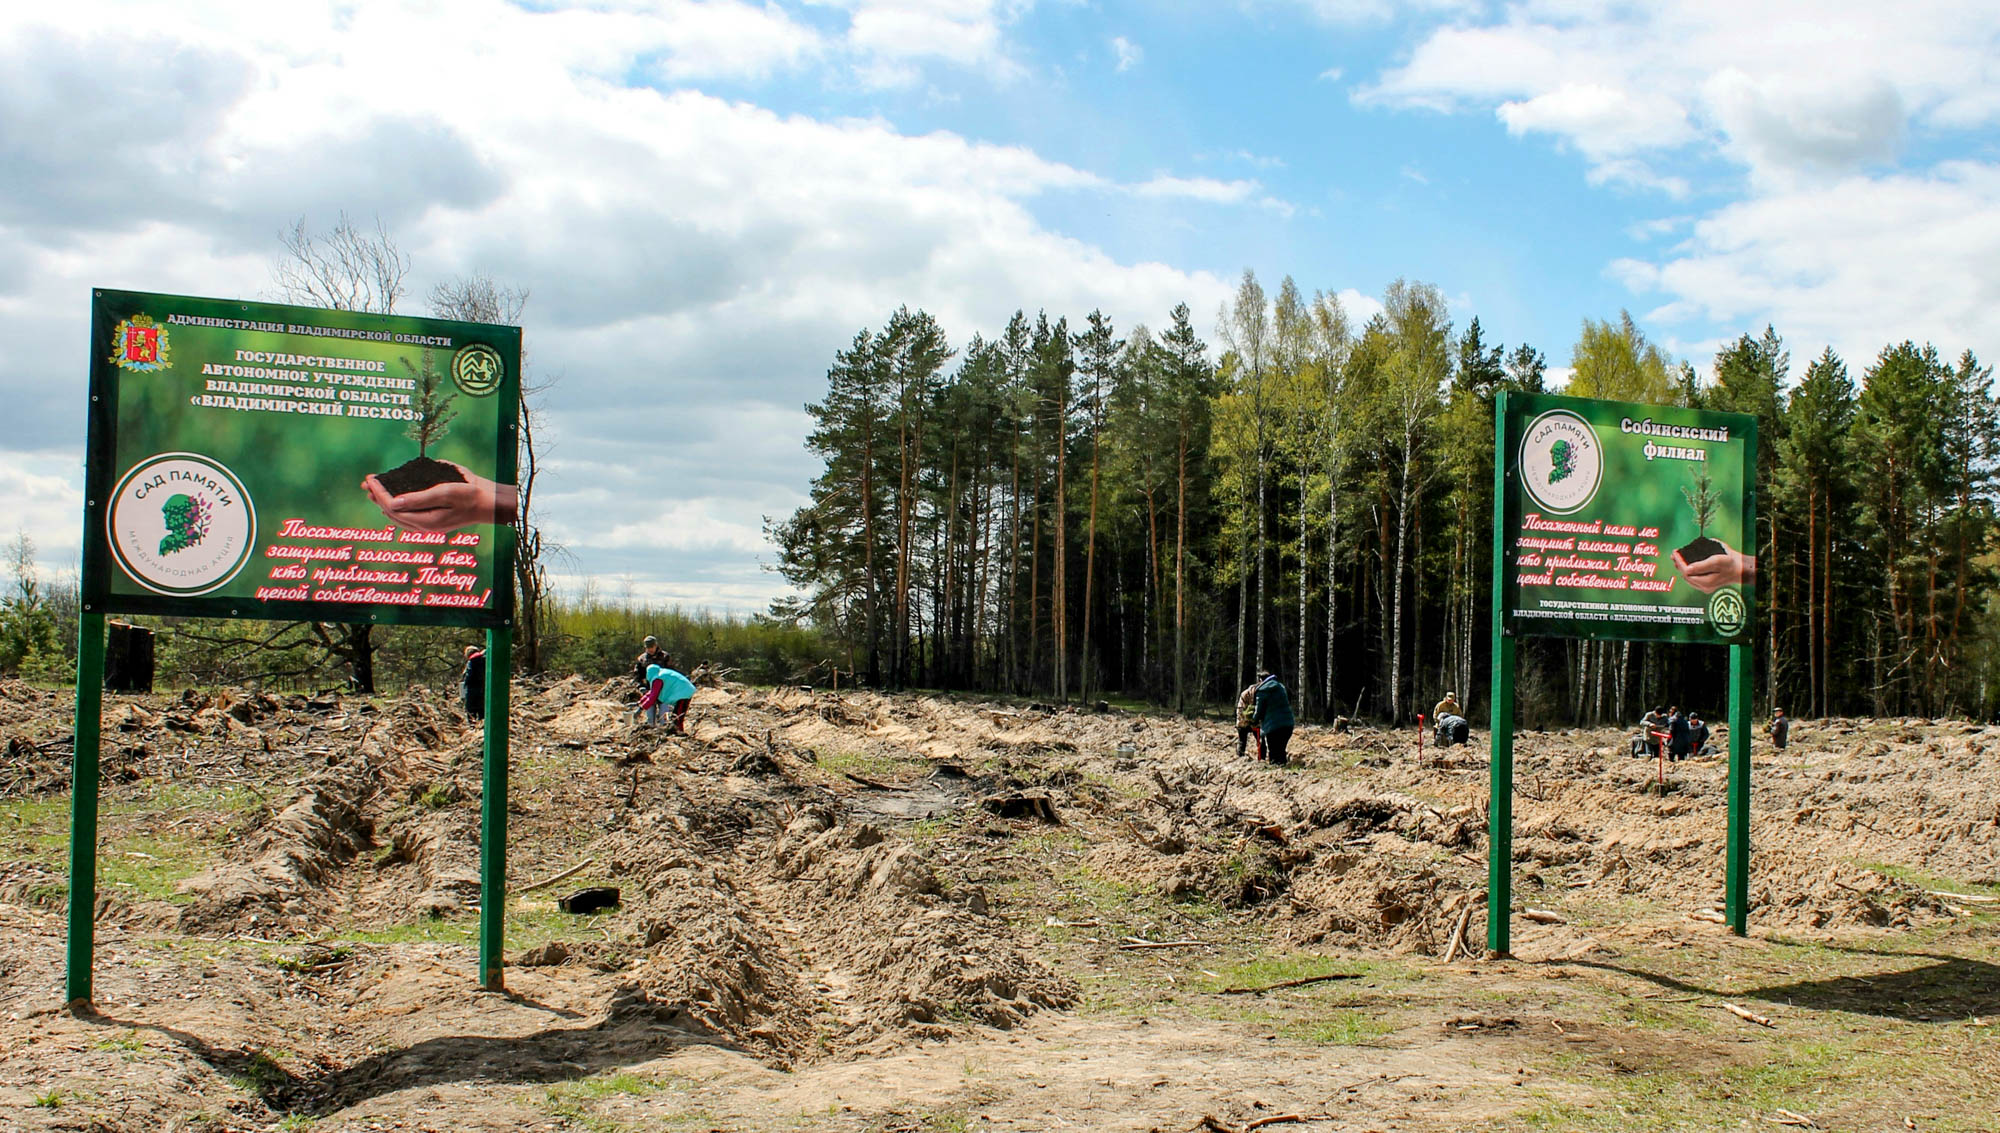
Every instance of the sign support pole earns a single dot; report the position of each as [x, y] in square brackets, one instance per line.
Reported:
[1500, 795]
[493, 812]
[83, 776]
[1737, 898]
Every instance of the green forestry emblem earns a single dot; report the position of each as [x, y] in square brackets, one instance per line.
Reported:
[1727, 613]
[477, 369]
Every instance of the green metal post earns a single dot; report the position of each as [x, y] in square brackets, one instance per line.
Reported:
[1742, 666]
[1737, 893]
[493, 812]
[83, 805]
[1500, 798]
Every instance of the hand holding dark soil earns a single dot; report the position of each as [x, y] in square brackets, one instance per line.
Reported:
[446, 507]
[1730, 568]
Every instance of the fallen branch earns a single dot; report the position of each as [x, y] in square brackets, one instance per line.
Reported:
[564, 875]
[1788, 1117]
[1214, 1124]
[1134, 944]
[1975, 898]
[1290, 983]
[1707, 915]
[1542, 916]
[867, 782]
[1747, 1015]
[1458, 931]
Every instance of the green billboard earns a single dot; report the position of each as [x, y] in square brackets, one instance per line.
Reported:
[263, 461]
[1626, 521]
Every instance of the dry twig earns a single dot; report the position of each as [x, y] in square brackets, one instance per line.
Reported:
[568, 873]
[1748, 1016]
[1290, 983]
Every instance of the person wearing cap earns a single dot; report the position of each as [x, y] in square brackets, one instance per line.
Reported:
[653, 655]
[1780, 728]
[1273, 716]
[1447, 707]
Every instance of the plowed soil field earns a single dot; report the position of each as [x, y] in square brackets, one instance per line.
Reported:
[862, 912]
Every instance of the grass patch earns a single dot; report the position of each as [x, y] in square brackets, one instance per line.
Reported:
[1930, 881]
[527, 925]
[576, 1102]
[262, 1073]
[1263, 971]
[871, 765]
[1342, 1028]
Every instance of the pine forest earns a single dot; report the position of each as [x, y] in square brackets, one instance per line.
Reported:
[1083, 512]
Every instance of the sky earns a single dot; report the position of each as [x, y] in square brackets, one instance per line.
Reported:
[705, 199]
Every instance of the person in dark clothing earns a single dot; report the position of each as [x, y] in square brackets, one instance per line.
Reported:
[1697, 735]
[1273, 716]
[1781, 727]
[472, 683]
[653, 655]
[1678, 737]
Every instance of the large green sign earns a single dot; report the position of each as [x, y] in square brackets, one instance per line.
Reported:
[262, 461]
[1627, 521]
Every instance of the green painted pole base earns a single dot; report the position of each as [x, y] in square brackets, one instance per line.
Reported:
[1500, 804]
[493, 813]
[1736, 901]
[83, 773]
[1500, 794]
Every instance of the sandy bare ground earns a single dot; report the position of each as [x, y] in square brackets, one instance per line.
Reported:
[874, 913]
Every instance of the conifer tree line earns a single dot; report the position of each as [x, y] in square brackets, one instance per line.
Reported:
[1076, 512]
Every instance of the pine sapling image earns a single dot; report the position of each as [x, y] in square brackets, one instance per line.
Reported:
[187, 520]
[1702, 499]
[433, 405]
[1562, 461]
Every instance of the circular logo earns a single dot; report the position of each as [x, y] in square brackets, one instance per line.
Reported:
[181, 524]
[477, 369]
[1727, 613]
[1561, 461]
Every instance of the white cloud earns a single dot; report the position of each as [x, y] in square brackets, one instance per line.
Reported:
[1799, 113]
[693, 261]
[45, 502]
[891, 38]
[1857, 264]
[1787, 89]
[1127, 54]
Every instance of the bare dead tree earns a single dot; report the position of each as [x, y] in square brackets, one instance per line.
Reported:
[479, 299]
[346, 269]
[343, 267]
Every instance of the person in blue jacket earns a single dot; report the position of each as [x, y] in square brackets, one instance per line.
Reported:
[665, 686]
[1273, 716]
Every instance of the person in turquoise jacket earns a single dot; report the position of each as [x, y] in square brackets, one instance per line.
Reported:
[665, 686]
[1273, 716]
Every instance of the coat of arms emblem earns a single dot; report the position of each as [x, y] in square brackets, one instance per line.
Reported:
[140, 344]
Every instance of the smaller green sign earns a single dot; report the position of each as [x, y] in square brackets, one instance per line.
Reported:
[1625, 521]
